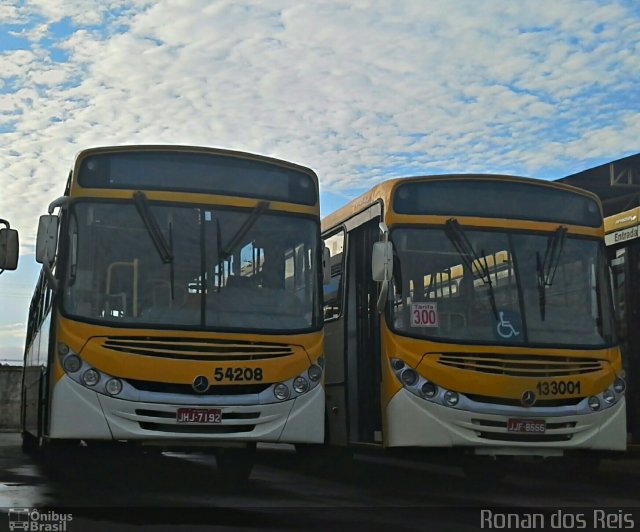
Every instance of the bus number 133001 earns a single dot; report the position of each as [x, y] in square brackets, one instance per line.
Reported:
[558, 387]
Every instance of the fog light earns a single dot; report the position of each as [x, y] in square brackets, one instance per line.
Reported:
[594, 403]
[281, 391]
[300, 384]
[409, 377]
[90, 377]
[619, 386]
[315, 372]
[609, 397]
[63, 349]
[451, 398]
[429, 389]
[397, 364]
[72, 363]
[113, 386]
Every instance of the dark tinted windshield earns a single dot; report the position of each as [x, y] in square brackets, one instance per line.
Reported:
[505, 287]
[221, 269]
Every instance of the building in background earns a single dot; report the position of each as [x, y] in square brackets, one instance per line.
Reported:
[618, 185]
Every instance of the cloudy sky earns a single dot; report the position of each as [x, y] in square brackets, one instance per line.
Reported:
[357, 90]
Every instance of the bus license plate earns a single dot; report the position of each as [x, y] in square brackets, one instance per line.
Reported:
[199, 415]
[529, 426]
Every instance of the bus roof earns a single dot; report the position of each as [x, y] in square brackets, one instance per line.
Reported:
[186, 148]
[384, 191]
[180, 169]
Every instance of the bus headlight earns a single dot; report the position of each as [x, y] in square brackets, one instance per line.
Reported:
[619, 386]
[90, 377]
[418, 385]
[409, 377]
[300, 384]
[609, 397]
[428, 389]
[451, 398]
[72, 363]
[98, 381]
[113, 386]
[63, 349]
[314, 372]
[281, 391]
[594, 403]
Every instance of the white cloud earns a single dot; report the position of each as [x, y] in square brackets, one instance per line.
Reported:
[12, 342]
[35, 34]
[12, 332]
[356, 90]
[10, 12]
[80, 11]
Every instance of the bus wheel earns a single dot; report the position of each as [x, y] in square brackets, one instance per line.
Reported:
[235, 465]
[580, 466]
[486, 470]
[30, 444]
[59, 449]
[310, 452]
[320, 459]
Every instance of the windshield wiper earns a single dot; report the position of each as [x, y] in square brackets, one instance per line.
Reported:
[547, 267]
[164, 248]
[463, 246]
[243, 229]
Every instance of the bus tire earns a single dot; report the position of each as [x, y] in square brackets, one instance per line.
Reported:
[485, 470]
[59, 449]
[579, 466]
[235, 465]
[30, 444]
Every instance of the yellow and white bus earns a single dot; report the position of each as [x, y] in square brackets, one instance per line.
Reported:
[623, 244]
[179, 304]
[472, 311]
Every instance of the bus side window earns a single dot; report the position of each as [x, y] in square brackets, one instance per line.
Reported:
[333, 290]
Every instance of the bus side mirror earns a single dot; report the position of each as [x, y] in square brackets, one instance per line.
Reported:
[8, 249]
[326, 266]
[382, 261]
[47, 240]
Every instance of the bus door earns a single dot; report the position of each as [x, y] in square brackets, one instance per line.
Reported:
[625, 267]
[363, 338]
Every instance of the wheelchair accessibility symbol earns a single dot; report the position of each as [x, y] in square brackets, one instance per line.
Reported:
[505, 328]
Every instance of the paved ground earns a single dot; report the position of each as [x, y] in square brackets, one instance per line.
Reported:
[372, 492]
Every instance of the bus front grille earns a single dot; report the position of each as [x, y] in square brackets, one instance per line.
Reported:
[196, 429]
[187, 389]
[497, 431]
[520, 365]
[527, 438]
[164, 421]
[570, 401]
[200, 349]
[226, 416]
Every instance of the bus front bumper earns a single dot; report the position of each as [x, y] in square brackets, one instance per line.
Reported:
[412, 421]
[80, 413]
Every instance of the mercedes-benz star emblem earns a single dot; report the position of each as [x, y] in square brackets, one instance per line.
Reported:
[200, 384]
[528, 398]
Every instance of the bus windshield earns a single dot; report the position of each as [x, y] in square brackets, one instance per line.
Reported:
[191, 266]
[500, 287]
